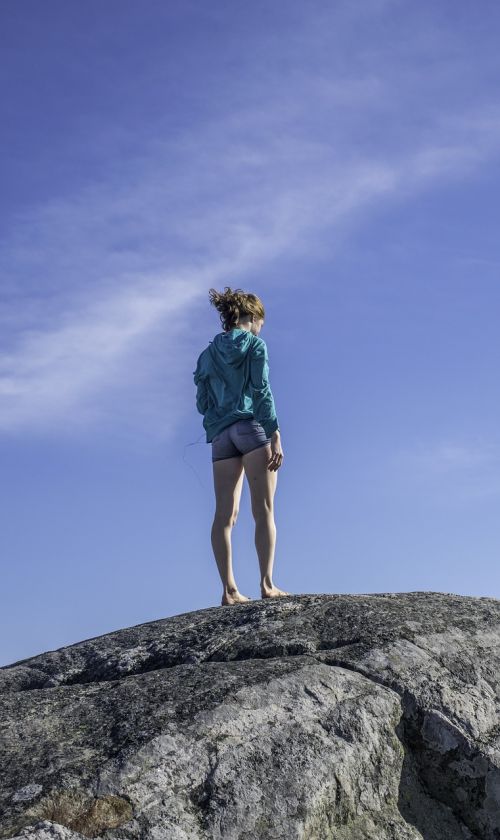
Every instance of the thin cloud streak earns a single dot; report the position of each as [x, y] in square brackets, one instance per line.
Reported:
[137, 255]
[451, 472]
[450, 457]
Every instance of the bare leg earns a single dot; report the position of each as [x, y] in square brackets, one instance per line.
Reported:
[221, 544]
[262, 483]
[228, 483]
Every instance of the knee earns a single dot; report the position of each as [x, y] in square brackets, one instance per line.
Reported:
[224, 519]
[264, 511]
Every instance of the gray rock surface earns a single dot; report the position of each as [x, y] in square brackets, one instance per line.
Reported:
[308, 717]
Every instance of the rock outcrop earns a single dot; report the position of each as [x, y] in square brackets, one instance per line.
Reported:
[308, 717]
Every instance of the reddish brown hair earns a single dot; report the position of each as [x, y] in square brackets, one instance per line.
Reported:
[234, 304]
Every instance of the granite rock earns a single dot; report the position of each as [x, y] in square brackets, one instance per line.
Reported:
[306, 717]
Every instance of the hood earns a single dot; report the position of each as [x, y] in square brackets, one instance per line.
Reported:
[227, 348]
[231, 347]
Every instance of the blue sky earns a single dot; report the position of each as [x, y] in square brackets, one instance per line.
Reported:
[340, 160]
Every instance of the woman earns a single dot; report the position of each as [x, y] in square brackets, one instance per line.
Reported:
[234, 395]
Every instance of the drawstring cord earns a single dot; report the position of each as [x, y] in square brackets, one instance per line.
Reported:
[190, 465]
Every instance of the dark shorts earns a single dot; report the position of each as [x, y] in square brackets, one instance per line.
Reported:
[238, 439]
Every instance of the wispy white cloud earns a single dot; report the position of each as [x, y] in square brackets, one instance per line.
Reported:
[54, 370]
[451, 471]
[450, 457]
[94, 278]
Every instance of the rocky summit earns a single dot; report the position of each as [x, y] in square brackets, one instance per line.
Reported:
[305, 717]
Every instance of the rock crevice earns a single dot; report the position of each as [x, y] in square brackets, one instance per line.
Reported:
[354, 717]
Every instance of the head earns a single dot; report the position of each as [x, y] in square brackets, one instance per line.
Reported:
[238, 309]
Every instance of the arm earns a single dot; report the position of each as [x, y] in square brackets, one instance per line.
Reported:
[201, 391]
[264, 409]
[201, 397]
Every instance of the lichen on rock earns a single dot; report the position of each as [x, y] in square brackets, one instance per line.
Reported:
[350, 717]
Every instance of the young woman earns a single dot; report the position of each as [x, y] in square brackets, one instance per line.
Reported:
[239, 417]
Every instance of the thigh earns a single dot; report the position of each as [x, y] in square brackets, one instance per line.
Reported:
[261, 480]
[228, 483]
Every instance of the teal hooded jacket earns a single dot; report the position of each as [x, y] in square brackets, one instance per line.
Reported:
[232, 382]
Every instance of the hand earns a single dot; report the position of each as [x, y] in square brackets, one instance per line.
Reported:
[276, 452]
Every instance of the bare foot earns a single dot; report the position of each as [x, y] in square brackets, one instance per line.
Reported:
[272, 592]
[233, 597]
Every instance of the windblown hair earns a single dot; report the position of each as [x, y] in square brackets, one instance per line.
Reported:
[234, 304]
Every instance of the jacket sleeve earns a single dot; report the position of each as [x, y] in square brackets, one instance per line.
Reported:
[201, 397]
[264, 409]
[201, 391]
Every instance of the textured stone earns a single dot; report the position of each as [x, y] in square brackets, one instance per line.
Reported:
[309, 717]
